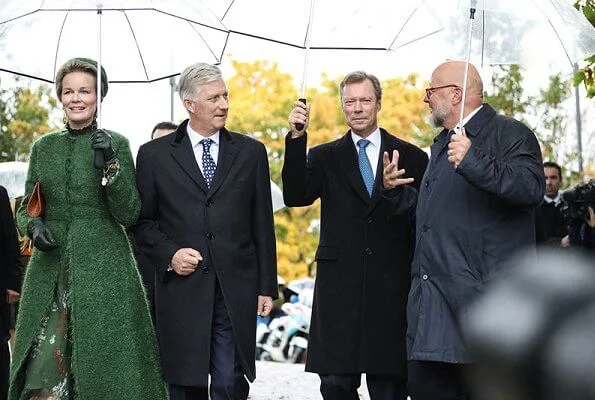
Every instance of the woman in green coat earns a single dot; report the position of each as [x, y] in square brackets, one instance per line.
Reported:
[84, 330]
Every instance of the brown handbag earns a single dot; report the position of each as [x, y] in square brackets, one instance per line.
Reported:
[36, 204]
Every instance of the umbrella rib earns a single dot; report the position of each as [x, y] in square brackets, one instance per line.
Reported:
[58, 44]
[140, 55]
[26, 75]
[297, 46]
[483, 35]
[419, 38]
[20, 16]
[204, 41]
[191, 20]
[403, 27]
[226, 11]
[557, 34]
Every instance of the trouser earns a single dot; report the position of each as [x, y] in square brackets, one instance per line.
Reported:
[227, 375]
[429, 380]
[380, 387]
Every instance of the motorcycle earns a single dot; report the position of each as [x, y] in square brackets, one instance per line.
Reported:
[285, 339]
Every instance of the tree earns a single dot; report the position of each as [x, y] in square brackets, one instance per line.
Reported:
[24, 116]
[587, 74]
[545, 114]
[506, 93]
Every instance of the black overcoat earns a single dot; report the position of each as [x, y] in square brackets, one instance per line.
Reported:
[470, 222]
[10, 267]
[364, 254]
[231, 225]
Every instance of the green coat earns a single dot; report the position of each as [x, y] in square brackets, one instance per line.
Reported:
[114, 353]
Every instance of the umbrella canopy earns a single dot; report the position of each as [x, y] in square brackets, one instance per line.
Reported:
[140, 40]
[310, 25]
[548, 33]
[534, 33]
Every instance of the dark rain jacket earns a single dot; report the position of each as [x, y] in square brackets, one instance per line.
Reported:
[470, 221]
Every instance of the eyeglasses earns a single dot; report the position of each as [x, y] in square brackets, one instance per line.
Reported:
[430, 91]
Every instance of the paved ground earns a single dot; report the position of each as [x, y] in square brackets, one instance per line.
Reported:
[278, 381]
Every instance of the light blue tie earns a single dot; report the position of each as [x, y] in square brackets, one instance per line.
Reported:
[365, 168]
[208, 165]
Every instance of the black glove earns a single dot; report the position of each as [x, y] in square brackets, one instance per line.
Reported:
[40, 236]
[101, 140]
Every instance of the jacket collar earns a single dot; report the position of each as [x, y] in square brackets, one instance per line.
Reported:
[184, 156]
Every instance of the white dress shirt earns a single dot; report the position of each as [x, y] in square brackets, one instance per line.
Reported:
[556, 200]
[372, 150]
[195, 139]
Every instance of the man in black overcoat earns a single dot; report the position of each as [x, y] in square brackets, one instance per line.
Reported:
[206, 223]
[365, 249]
[10, 283]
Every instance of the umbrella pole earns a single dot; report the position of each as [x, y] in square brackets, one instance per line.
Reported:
[99, 13]
[98, 158]
[470, 37]
[307, 57]
[299, 126]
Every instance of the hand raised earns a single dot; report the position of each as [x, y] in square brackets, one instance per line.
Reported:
[102, 140]
[391, 176]
[299, 115]
[458, 147]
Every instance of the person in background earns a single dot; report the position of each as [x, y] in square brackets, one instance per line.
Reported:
[476, 209]
[10, 284]
[550, 218]
[206, 224]
[163, 129]
[83, 328]
[367, 183]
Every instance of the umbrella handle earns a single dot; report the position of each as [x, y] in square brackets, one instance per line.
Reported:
[298, 126]
[98, 159]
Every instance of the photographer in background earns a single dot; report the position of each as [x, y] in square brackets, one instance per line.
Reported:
[583, 233]
[579, 211]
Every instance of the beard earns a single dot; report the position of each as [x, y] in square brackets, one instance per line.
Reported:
[438, 116]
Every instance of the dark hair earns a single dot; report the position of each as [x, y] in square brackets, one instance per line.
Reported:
[551, 164]
[164, 125]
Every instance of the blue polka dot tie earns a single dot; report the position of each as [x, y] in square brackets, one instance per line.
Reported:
[208, 165]
[365, 168]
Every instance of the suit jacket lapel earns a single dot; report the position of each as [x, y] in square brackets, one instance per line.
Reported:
[347, 156]
[184, 155]
[228, 152]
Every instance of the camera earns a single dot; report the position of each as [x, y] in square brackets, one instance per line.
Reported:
[577, 200]
[531, 332]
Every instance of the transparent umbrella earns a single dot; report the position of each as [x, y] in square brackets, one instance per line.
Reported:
[533, 33]
[327, 26]
[136, 40]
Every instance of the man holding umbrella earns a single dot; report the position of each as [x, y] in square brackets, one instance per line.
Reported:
[476, 209]
[366, 243]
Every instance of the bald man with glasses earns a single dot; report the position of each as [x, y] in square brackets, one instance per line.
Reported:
[476, 209]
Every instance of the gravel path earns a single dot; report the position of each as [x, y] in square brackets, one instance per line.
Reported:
[279, 381]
